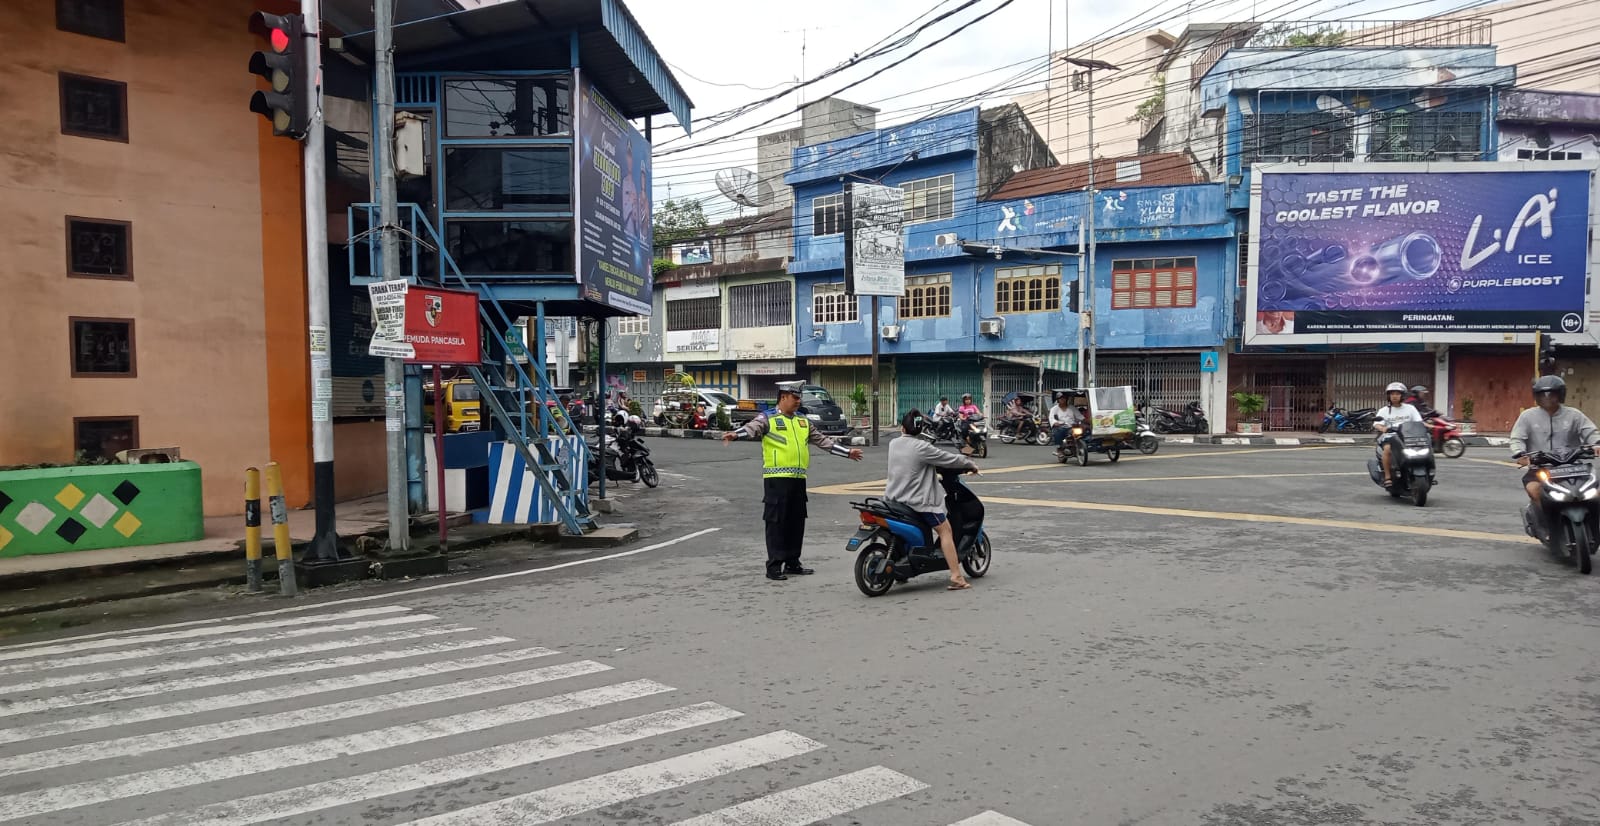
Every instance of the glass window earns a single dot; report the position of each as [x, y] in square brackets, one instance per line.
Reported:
[1426, 136]
[102, 347]
[1146, 284]
[491, 178]
[1027, 289]
[95, 18]
[927, 296]
[634, 326]
[827, 214]
[99, 249]
[930, 199]
[815, 396]
[759, 305]
[830, 304]
[94, 108]
[103, 437]
[509, 107]
[510, 247]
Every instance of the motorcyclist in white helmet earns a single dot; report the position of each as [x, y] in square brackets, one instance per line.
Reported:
[1388, 420]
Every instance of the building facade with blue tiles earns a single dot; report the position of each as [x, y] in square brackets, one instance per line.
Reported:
[990, 324]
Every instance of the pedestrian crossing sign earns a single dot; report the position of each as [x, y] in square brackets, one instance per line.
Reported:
[1208, 361]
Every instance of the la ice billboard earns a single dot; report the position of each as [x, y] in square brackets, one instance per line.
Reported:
[1392, 253]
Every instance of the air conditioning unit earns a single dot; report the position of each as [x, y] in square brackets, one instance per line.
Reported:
[992, 327]
[891, 332]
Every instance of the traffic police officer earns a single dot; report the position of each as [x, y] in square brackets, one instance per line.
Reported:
[785, 454]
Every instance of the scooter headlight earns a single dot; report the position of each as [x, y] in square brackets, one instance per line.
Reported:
[1557, 492]
[1416, 452]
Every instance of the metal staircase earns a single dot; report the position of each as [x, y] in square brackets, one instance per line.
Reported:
[515, 399]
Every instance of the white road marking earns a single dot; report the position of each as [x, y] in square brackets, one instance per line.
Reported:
[104, 695]
[311, 716]
[279, 805]
[273, 694]
[232, 658]
[579, 796]
[89, 793]
[116, 638]
[815, 801]
[202, 644]
[989, 819]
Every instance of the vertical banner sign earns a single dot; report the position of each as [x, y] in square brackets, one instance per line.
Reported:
[874, 247]
[389, 320]
[1408, 250]
[612, 197]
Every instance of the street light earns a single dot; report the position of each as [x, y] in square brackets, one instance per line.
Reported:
[1089, 65]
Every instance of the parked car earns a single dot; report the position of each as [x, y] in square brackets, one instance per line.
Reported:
[711, 398]
[825, 414]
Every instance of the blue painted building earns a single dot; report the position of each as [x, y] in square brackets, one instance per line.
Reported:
[985, 325]
[1383, 102]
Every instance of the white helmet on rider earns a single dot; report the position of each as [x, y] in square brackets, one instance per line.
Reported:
[1393, 386]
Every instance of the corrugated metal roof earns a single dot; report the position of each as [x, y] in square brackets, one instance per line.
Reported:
[1162, 169]
[612, 48]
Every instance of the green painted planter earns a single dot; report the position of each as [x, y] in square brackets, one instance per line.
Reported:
[82, 508]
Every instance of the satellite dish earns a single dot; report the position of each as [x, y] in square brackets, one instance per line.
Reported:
[742, 187]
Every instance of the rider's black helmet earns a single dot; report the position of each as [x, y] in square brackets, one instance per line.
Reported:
[912, 422]
[1418, 390]
[1550, 384]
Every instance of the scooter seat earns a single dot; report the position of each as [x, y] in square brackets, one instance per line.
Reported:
[909, 515]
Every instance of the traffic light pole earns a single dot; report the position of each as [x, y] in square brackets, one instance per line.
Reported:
[325, 544]
[394, 377]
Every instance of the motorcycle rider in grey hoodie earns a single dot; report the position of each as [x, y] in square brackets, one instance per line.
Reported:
[914, 482]
[1551, 427]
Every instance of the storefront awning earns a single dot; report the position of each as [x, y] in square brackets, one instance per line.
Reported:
[1064, 361]
[839, 361]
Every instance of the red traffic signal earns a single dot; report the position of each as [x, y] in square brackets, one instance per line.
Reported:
[286, 67]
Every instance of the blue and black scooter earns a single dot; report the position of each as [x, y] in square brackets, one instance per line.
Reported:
[894, 545]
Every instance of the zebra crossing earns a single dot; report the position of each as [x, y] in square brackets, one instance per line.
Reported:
[383, 714]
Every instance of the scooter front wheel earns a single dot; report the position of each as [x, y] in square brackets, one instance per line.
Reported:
[1042, 437]
[977, 563]
[1453, 448]
[872, 570]
[1083, 455]
[1582, 548]
[648, 475]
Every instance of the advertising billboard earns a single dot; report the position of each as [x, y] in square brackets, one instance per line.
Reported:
[1345, 253]
[612, 198]
[875, 247]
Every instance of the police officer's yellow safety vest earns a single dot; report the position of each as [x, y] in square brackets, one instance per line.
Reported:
[785, 450]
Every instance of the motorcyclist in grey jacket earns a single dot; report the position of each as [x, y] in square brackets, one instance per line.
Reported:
[914, 482]
[1551, 427]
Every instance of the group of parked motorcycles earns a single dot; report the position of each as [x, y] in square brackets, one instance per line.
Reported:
[623, 457]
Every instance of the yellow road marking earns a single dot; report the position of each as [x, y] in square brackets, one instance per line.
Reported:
[1376, 527]
[1162, 478]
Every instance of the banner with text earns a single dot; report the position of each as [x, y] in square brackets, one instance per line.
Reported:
[875, 246]
[1414, 251]
[613, 205]
[442, 326]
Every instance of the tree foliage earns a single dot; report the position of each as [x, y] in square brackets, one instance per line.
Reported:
[676, 221]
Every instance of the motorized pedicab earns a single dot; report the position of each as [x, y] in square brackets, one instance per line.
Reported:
[1111, 426]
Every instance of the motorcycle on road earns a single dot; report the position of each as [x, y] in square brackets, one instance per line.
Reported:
[1568, 521]
[1413, 464]
[893, 544]
[972, 436]
[1446, 437]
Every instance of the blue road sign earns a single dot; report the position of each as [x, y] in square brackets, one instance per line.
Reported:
[1208, 361]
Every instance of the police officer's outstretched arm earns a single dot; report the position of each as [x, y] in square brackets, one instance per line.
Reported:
[755, 429]
[833, 446]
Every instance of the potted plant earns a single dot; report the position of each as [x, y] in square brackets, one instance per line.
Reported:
[1467, 425]
[858, 405]
[1249, 404]
[724, 422]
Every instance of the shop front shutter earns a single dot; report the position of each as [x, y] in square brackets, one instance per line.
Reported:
[922, 381]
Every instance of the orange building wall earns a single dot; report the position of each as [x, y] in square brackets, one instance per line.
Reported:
[209, 314]
[1497, 384]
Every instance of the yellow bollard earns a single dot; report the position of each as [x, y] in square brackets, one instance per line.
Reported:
[280, 530]
[252, 530]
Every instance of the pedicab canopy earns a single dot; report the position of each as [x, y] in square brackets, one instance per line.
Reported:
[1111, 410]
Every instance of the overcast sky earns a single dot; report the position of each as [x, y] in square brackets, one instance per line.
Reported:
[730, 52]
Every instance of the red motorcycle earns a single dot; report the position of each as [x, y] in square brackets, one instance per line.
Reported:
[1446, 437]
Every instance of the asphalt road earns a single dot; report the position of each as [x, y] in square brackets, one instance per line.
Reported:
[1205, 636]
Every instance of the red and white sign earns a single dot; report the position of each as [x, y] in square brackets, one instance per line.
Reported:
[442, 325]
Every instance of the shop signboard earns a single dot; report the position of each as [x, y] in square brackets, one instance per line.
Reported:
[1387, 253]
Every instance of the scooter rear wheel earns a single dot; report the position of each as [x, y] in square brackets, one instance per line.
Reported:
[1083, 455]
[1453, 448]
[1148, 444]
[977, 563]
[648, 475]
[871, 577]
[1114, 453]
[1042, 438]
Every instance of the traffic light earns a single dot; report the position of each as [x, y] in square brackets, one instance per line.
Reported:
[284, 65]
[1545, 352]
[1072, 296]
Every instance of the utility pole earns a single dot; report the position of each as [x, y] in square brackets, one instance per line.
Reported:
[875, 330]
[325, 543]
[1089, 66]
[394, 377]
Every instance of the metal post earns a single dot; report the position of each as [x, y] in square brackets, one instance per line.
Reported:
[325, 541]
[282, 545]
[874, 333]
[252, 530]
[438, 456]
[600, 402]
[1078, 367]
[1088, 369]
[393, 369]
